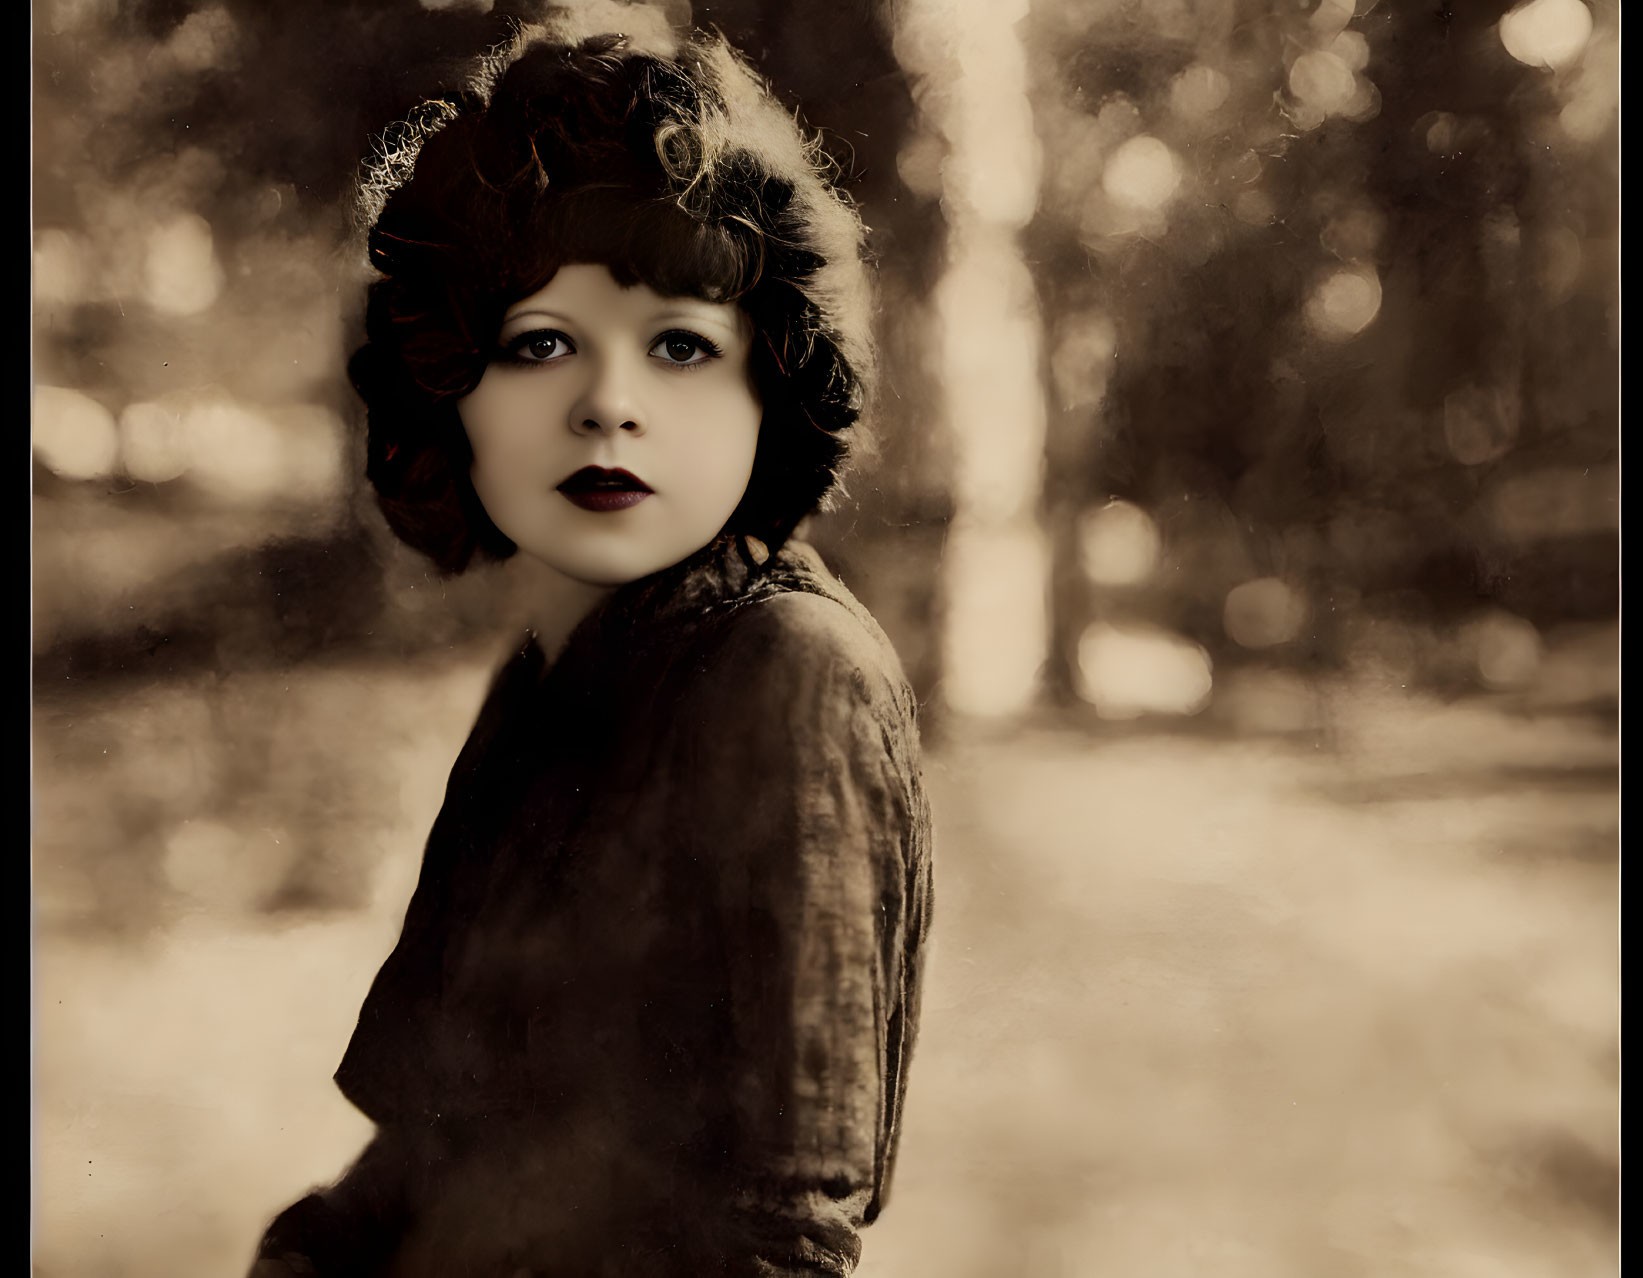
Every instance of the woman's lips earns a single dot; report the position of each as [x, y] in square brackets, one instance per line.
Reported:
[598, 489]
[607, 499]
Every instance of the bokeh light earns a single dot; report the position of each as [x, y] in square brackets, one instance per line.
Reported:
[1593, 90]
[1129, 670]
[1118, 544]
[235, 451]
[181, 273]
[1442, 133]
[1083, 359]
[1352, 48]
[1142, 173]
[1330, 17]
[1344, 303]
[1506, 649]
[1198, 91]
[1322, 80]
[1480, 423]
[1546, 33]
[223, 867]
[1264, 612]
[154, 445]
[203, 40]
[312, 440]
[73, 434]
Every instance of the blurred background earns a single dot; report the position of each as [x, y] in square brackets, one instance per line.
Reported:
[1242, 499]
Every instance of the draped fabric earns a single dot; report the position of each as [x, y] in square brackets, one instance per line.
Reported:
[651, 1009]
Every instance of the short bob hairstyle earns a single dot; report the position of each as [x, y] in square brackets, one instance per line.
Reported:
[673, 166]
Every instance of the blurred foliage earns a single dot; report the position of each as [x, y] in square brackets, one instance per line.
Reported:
[1321, 283]
[1328, 293]
[198, 284]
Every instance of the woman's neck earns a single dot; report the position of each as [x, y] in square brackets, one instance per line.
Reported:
[554, 604]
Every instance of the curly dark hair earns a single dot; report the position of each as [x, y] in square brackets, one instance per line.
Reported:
[673, 166]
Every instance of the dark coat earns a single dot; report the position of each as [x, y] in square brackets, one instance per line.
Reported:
[651, 1010]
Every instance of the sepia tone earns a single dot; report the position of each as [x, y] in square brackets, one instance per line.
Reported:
[1241, 497]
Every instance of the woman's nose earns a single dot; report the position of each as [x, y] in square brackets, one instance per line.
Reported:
[609, 401]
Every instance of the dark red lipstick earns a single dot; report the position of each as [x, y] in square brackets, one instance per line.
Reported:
[595, 488]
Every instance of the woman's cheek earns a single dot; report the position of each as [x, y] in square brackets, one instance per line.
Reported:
[497, 417]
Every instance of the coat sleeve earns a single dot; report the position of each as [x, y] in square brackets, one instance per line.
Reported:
[350, 1228]
[804, 808]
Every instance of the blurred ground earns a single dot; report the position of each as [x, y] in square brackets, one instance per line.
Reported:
[1338, 1003]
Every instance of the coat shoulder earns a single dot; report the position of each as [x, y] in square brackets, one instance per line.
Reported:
[799, 636]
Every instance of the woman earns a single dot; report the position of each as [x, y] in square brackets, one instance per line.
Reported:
[651, 1009]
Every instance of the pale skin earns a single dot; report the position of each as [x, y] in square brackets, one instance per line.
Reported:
[592, 374]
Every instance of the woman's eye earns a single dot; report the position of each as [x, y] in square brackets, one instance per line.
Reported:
[538, 347]
[684, 348]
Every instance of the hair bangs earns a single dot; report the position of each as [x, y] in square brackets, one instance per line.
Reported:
[641, 239]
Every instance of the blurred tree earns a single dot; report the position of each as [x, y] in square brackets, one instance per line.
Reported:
[1328, 291]
[194, 173]
[1317, 235]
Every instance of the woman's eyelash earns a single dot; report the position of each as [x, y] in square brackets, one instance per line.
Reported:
[694, 341]
[518, 350]
[543, 345]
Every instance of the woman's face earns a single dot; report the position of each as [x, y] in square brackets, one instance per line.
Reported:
[614, 433]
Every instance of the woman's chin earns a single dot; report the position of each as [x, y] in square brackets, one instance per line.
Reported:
[609, 567]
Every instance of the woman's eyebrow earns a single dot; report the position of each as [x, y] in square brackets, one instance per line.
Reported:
[535, 312]
[695, 315]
